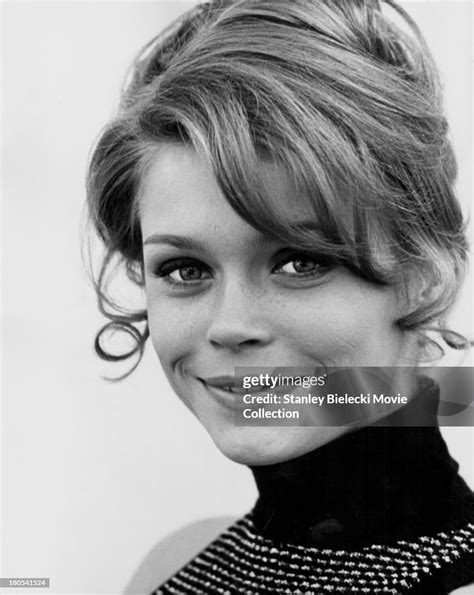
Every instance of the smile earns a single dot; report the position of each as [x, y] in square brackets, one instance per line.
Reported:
[229, 396]
[232, 386]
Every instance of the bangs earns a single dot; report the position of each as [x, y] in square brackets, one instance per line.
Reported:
[350, 130]
[334, 180]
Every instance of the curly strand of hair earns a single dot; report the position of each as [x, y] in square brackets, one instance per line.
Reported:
[139, 348]
[453, 339]
[121, 320]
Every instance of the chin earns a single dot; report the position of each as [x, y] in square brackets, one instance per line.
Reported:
[256, 446]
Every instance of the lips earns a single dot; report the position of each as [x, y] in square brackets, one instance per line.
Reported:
[232, 385]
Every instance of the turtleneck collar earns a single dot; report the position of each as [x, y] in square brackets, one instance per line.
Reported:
[378, 484]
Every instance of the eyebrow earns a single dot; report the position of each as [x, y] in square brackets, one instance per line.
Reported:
[183, 242]
[188, 243]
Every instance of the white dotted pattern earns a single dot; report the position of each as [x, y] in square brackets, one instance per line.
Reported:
[242, 561]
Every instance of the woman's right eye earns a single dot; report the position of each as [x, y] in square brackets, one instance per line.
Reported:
[182, 271]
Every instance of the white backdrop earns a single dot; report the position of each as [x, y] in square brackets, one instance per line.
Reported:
[95, 474]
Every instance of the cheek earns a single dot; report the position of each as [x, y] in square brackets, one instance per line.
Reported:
[363, 328]
[174, 327]
[343, 326]
[166, 329]
[170, 333]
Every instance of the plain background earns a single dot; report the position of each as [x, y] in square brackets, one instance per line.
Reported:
[94, 475]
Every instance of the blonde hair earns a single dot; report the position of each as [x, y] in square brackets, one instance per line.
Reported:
[345, 100]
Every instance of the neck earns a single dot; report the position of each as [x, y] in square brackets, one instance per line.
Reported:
[378, 484]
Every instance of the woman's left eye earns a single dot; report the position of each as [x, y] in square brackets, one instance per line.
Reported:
[302, 265]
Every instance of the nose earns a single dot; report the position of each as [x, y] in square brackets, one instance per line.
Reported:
[238, 320]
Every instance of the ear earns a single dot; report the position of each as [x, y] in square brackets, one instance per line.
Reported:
[413, 290]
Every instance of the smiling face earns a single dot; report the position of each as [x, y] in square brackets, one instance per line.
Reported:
[220, 295]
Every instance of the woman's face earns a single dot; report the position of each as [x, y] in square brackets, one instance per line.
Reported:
[221, 295]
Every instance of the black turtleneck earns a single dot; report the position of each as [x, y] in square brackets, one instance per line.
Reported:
[383, 483]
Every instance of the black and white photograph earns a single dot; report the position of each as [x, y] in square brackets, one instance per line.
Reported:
[237, 288]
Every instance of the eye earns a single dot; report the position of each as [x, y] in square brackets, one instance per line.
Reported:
[182, 271]
[300, 264]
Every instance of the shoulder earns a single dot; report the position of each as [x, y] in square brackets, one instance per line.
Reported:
[467, 590]
[173, 552]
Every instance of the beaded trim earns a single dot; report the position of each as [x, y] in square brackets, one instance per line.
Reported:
[242, 561]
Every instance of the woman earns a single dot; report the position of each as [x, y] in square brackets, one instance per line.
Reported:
[279, 181]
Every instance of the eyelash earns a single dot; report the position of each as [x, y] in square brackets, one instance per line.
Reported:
[175, 264]
[164, 271]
